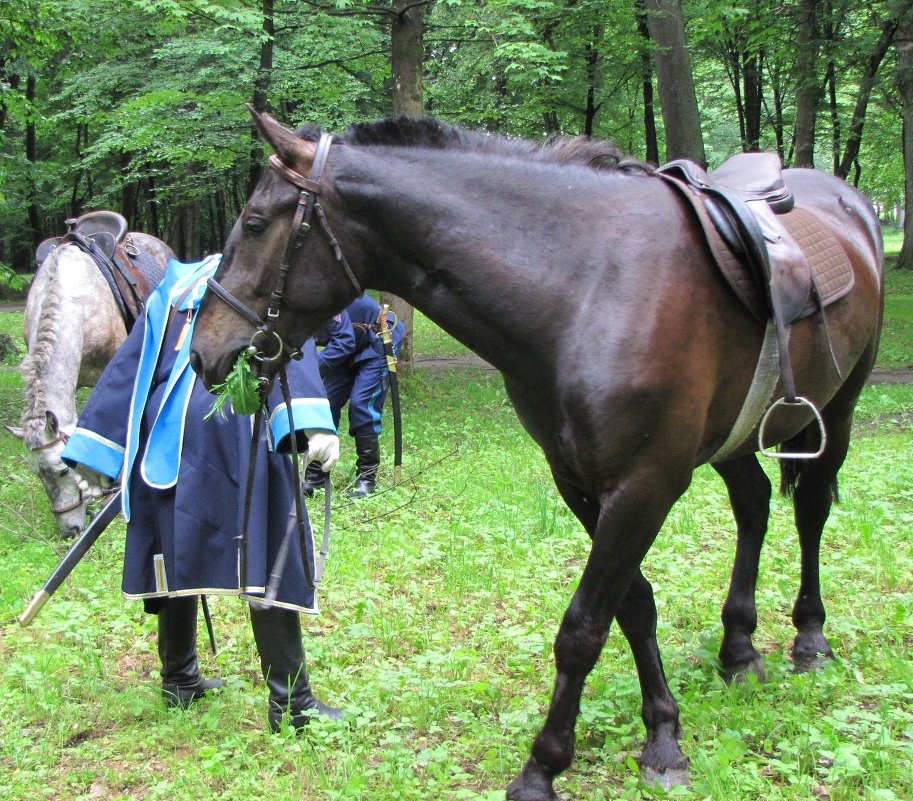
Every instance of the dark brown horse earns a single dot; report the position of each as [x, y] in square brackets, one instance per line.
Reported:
[625, 353]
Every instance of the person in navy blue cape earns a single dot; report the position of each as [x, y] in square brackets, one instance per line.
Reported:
[183, 473]
[353, 366]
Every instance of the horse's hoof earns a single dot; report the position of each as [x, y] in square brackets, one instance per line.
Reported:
[811, 664]
[740, 674]
[532, 784]
[666, 779]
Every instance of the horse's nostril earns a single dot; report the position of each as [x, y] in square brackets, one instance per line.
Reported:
[195, 361]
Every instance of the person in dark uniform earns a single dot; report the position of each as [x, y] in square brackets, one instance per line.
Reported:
[354, 371]
[183, 473]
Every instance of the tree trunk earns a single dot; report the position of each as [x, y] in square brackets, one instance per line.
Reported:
[261, 89]
[866, 83]
[678, 100]
[591, 57]
[777, 94]
[904, 45]
[154, 225]
[808, 89]
[407, 51]
[651, 144]
[752, 83]
[31, 155]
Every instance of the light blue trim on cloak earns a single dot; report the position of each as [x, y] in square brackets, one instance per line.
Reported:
[99, 453]
[306, 413]
[163, 450]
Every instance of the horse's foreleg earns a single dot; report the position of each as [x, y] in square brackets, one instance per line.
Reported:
[662, 761]
[749, 496]
[628, 523]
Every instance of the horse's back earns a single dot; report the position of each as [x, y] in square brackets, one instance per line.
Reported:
[70, 306]
[154, 246]
[849, 214]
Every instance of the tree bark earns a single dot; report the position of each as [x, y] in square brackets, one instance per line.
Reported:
[808, 91]
[31, 155]
[674, 80]
[651, 145]
[752, 86]
[866, 84]
[261, 89]
[407, 52]
[904, 44]
[591, 58]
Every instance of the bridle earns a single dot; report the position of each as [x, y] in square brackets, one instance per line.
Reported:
[309, 188]
[60, 439]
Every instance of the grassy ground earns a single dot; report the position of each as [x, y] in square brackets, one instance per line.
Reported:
[896, 350]
[440, 603]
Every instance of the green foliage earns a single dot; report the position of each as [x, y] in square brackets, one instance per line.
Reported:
[138, 106]
[896, 348]
[439, 606]
[241, 387]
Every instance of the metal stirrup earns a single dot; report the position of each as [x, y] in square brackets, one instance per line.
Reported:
[797, 401]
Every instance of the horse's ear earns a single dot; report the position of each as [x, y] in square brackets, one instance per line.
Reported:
[293, 151]
[18, 433]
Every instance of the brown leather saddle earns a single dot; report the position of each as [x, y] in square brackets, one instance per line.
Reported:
[780, 259]
[129, 271]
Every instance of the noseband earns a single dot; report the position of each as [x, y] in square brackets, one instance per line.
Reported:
[308, 204]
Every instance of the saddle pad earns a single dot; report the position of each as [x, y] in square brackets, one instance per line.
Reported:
[831, 269]
[152, 270]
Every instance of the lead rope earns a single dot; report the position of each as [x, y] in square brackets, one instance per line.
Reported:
[249, 496]
[297, 521]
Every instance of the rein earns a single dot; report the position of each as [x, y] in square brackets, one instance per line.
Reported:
[271, 365]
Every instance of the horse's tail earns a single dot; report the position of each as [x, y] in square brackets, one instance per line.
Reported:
[808, 440]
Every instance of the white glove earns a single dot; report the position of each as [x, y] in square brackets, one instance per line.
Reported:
[323, 447]
[91, 483]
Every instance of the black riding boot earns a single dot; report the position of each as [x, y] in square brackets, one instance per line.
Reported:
[277, 633]
[367, 462]
[314, 478]
[182, 683]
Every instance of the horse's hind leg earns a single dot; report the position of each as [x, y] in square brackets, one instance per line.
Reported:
[813, 484]
[749, 495]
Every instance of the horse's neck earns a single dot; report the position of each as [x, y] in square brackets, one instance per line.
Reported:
[51, 368]
[453, 275]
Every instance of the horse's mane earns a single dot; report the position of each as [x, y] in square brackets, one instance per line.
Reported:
[34, 366]
[431, 133]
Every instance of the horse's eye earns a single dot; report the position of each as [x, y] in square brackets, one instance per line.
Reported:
[255, 225]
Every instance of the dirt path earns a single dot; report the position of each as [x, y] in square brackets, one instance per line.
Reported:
[904, 376]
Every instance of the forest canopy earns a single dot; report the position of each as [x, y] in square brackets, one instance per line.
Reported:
[139, 105]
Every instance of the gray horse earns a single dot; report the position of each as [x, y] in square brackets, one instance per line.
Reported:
[73, 326]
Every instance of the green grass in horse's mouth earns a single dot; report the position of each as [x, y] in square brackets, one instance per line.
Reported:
[241, 387]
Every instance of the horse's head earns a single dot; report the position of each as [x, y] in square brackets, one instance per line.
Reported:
[45, 439]
[282, 273]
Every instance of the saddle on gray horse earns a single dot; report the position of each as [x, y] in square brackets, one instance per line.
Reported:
[131, 273]
[781, 260]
